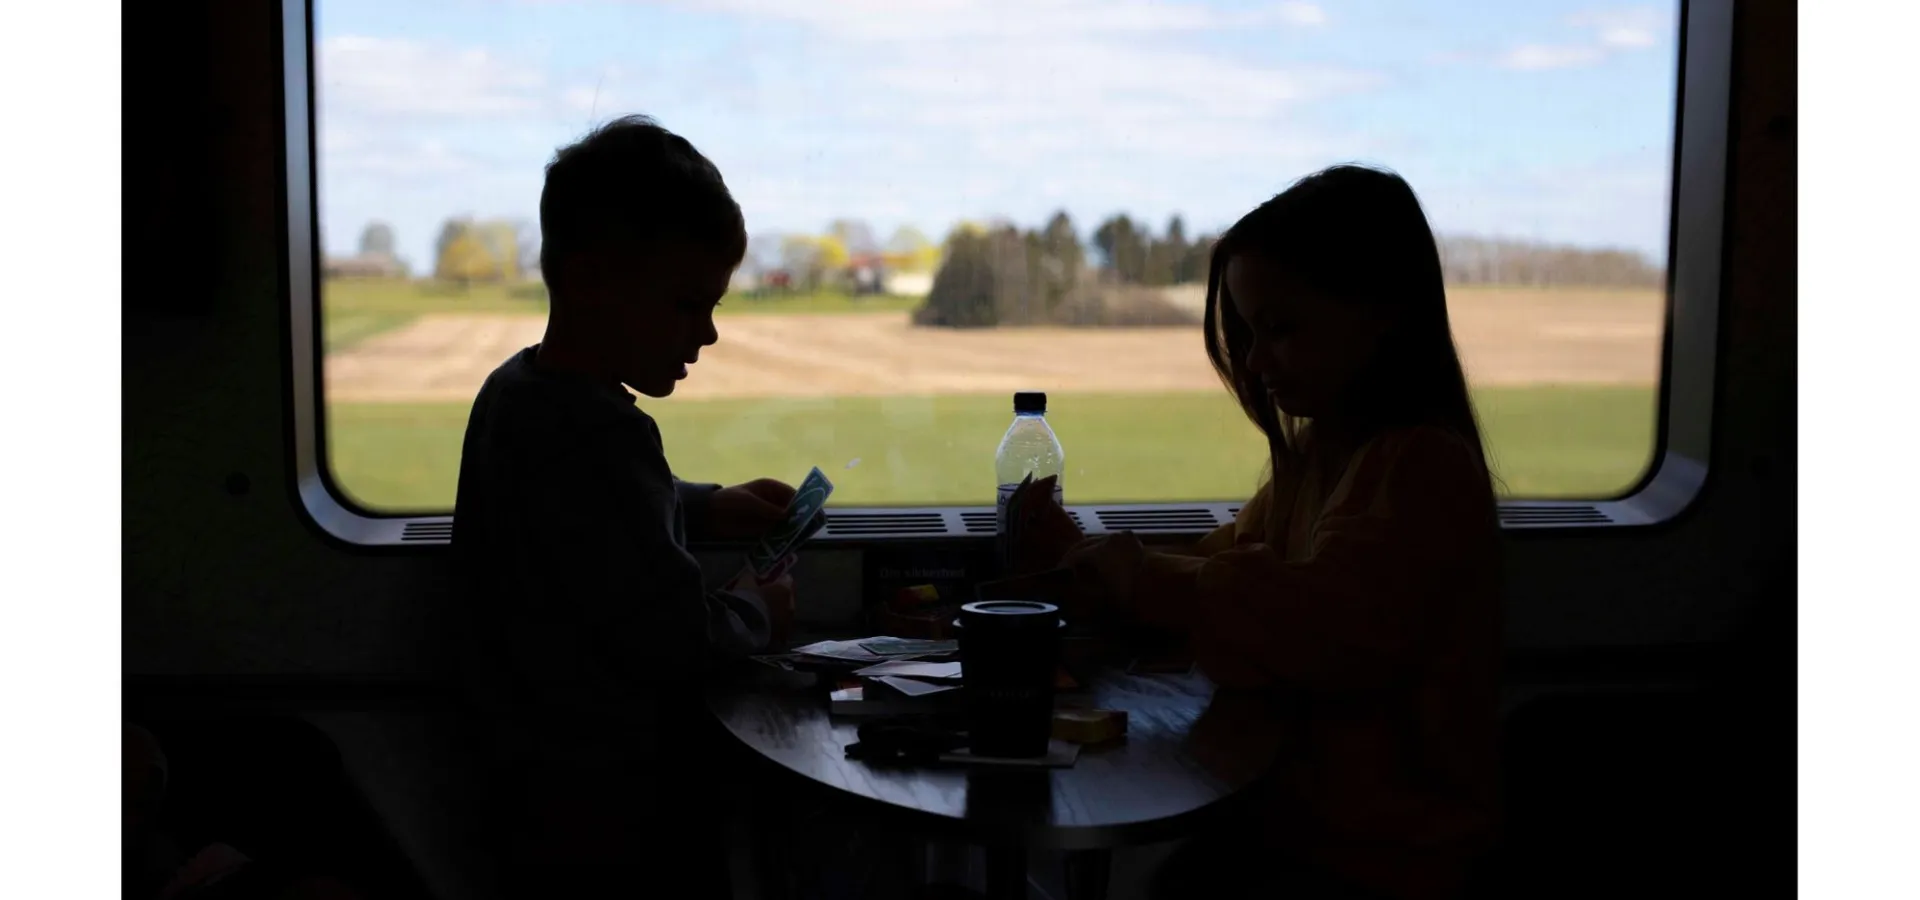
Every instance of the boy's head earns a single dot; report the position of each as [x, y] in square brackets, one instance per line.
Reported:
[639, 238]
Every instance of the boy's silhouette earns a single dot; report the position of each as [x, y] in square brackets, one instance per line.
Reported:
[591, 619]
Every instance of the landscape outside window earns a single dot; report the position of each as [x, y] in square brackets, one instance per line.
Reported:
[949, 202]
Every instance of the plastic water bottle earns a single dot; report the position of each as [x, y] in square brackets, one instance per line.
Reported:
[1029, 448]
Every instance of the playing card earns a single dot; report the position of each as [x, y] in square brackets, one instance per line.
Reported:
[813, 528]
[779, 568]
[894, 646]
[799, 524]
[1010, 524]
[1037, 528]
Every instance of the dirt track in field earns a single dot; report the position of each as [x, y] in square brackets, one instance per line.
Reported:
[1506, 337]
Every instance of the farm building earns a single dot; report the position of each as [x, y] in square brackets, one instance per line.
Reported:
[907, 284]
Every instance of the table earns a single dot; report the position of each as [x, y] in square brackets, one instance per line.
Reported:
[1188, 752]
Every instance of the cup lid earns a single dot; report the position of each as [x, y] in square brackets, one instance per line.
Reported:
[1010, 614]
[1010, 608]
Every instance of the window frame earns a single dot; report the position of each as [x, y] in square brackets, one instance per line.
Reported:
[1676, 475]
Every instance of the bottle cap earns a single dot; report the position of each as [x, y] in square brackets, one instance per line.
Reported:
[1030, 402]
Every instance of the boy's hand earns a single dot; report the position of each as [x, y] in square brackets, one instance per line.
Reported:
[746, 511]
[778, 596]
[775, 593]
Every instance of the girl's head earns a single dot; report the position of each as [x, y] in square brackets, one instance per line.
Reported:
[1325, 304]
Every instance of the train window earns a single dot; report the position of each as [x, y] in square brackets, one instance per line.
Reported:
[1091, 149]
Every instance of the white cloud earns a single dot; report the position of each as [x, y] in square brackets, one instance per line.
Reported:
[400, 160]
[383, 77]
[1611, 32]
[1627, 37]
[1020, 79]
[925, 110]
[1302, 13]
[972, 19]
[1538, 57]
[1625, 29]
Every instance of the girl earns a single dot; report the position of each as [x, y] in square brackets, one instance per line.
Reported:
[1357, 591]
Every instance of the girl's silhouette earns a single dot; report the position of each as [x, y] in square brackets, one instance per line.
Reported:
[1358, 588]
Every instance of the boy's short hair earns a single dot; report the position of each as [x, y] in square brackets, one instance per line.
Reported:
[631, 179]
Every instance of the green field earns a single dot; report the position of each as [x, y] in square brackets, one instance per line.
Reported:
[1546, 442]
[356, 309]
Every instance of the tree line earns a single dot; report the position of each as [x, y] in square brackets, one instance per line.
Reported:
[466, 251]
[469, 251]
[836, 258]
[1476, 260]
[987, 274]
[1004, 275]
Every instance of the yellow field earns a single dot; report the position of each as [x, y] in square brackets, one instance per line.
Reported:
[1507, 337]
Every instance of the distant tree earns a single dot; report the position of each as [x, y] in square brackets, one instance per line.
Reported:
[504, 247]
[854, 235]
[502, 239]
[907, 239]
[910, 251]
[1061, 241]
[1199, 257]
[1124, 249]
[964, 289]
[450, 231]
[799, 255]
[814, 261]
[1162, 266]
[1474, 260]
[964, 227]
[834, 253]
[1060, 262]
[1179, 253]
[529, 250]
[377, 240]
[763, 253]
[466, 258]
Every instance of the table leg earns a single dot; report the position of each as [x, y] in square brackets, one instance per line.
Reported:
[1087, 873]
[1006, 873]
[772, 865]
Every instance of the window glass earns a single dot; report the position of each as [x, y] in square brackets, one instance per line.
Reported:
[872, 142]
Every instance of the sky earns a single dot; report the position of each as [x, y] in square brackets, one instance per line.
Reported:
[1517, 118]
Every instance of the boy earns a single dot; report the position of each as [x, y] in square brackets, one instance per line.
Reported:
[593, 623]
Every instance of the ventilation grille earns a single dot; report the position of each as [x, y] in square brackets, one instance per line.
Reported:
[984, 521]
[1146, 520]
[427, 531]
[884, 524]
[1158, 519]
[1552, 515]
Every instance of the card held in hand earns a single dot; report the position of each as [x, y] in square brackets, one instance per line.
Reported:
[1038, 527]
[1010, 525]
[803, 519]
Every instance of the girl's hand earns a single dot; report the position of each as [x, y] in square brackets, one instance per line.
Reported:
[1107, 566]
[1048, 530]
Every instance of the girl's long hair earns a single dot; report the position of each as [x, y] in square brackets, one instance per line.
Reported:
[1359, 235]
